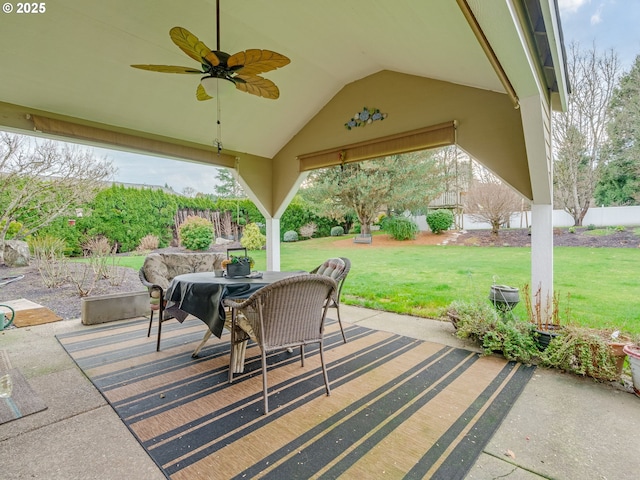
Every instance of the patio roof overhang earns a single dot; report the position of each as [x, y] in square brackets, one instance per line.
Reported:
[66, 74]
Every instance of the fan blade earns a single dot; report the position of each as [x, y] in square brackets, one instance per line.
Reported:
[256, 85]
[168, 69]
[189, 44]
[201, 93]
[254, 61]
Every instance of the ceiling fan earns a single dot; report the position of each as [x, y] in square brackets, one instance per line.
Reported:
[241, 68]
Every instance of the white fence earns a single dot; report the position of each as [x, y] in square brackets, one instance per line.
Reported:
[598, 216]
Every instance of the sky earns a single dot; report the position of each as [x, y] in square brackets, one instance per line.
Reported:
[150, 170]
[607, 24]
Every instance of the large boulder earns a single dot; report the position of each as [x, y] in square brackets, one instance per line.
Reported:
[16, 253]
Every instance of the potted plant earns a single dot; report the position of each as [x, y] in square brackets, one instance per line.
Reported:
[547, 320]
[238, 266]
[617, 342]
[633, 352]
[480, 322]
[582, 351]
[504, 297]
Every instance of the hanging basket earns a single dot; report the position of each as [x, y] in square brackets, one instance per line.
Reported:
[504, 298]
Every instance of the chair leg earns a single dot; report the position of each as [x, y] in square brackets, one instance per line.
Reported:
[264, 382]
[232, 359]
[150, 322]
[324, 370]
[206, 337]
[160, 319]
[340, 322]
[159, 333]
[302, 355]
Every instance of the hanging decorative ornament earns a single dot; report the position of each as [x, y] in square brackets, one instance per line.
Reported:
[365, 117]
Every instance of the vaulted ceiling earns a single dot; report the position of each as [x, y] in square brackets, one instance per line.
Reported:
[72, 61]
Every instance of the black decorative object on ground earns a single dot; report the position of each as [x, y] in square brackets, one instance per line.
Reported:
[543, 337]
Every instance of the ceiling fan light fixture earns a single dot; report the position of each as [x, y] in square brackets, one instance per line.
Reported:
[210, 85]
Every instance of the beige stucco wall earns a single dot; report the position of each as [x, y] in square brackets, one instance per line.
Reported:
[489, 127]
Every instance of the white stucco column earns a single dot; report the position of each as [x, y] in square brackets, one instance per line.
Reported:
[542, 254]
[273, 244]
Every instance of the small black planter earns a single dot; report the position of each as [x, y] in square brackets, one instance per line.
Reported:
[543, 337]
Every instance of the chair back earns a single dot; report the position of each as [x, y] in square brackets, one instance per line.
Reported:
[291, 311]
[336, 268]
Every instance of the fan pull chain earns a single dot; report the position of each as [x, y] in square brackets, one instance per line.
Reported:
[218, 140]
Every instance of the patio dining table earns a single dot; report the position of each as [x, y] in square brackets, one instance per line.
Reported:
[202, 295]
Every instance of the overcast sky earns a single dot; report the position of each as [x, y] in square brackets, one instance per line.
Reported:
[611, 24]
[150, 170]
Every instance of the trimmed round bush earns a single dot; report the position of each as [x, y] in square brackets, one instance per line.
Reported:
[252, 238]
[401, 228]
[196, 233]
[290, 236]
[337, 231]
[440, 220]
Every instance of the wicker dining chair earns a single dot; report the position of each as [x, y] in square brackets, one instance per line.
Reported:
[338, 269]
[288, 313]
[157, 303]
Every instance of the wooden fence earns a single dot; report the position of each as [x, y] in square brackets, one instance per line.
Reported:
[223, 222]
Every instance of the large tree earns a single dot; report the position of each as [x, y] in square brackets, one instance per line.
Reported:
[398, 182]
[228, 186]
[42, 180]
[579, 134]
[620, 182]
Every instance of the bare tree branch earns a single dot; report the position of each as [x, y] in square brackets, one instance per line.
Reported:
[579, 134]
[42, 180]
[489, 200]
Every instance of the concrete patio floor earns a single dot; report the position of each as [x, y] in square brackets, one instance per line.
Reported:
[561, 427]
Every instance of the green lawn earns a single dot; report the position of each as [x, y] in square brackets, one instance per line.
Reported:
[599, 286]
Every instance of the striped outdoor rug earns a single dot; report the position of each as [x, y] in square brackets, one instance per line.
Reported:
[399, 407]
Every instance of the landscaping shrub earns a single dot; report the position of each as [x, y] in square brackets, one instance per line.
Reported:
[196, 233]
[252, 239]
[71, 235]
[14, 227]
[591, 226]
[125, 215]
[148, 242]
[99, 251]
[337, 231]
[380, 219]
[308, 230]
[581, 351]
[48, 252]
[401, 228]
[290, 236]
[384, 222]
[480, 322]
[440, 220]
